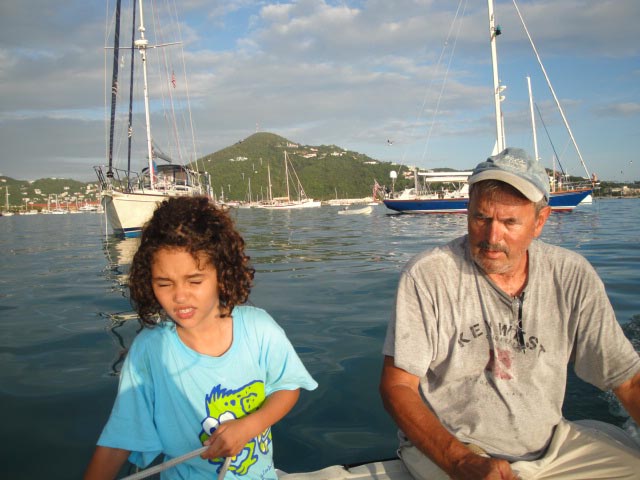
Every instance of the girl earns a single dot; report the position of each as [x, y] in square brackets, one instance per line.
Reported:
[205, 370]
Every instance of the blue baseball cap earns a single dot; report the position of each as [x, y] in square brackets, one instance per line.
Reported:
[515, 167]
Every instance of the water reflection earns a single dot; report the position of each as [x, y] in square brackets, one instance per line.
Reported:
[119, 252]
[123, 326]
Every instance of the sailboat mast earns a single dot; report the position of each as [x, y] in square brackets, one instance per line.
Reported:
[533, 122]
[114, 88]
[497, 89]
[286, 174]
[141, 44]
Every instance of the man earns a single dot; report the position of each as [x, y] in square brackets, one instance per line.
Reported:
[484, 327]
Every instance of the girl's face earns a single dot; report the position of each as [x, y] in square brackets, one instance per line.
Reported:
[186, 288]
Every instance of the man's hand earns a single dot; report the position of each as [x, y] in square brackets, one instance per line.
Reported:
[472, 466]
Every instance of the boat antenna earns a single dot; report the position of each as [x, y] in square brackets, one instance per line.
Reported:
[544, 72]
[114, 87]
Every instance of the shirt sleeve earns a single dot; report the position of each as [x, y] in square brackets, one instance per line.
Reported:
[408, 339]
[603, 355]
[285, 370]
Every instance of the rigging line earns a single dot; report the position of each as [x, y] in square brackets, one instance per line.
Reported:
[564, 118]
[444, 82]
[186, 83]
[169, 60]
[432, 81]
[167, 112]
[553, 147]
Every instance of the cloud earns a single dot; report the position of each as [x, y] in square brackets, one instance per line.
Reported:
[627, 109]
[351, 73]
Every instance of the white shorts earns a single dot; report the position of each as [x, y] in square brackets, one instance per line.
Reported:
[586, 449]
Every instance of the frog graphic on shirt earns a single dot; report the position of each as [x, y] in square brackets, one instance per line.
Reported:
[223, 405]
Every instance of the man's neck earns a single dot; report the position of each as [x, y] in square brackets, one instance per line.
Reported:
[514, 281]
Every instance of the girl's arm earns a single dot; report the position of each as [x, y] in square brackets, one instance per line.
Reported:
[106, 463]
[231, 437]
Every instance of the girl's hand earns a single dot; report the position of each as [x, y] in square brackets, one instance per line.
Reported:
[228, 440]
[231, 436]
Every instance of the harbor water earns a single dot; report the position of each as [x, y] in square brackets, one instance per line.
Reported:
[328, 279]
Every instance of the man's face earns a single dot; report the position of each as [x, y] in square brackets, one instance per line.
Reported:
[501, 227]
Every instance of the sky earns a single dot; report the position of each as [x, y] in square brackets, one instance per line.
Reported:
[405, 81]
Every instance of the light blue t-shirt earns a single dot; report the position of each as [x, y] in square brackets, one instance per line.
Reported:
[171, 398]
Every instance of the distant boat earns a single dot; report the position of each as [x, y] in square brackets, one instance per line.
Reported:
[451, 197]
[6, 212]
[129, 197]
[356, 211]
[88, 208]
[287, 203]
[561, 199]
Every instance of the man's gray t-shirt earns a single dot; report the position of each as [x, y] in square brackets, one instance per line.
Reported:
[489, 381]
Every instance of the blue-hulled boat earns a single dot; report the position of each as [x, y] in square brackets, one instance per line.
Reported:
[564, 197]
[563, 201]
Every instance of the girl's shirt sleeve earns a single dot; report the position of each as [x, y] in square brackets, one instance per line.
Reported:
[284, 369]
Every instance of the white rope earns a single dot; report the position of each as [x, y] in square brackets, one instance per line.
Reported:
[175, 461]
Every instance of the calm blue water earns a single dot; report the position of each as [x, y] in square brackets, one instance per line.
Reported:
[328, 279]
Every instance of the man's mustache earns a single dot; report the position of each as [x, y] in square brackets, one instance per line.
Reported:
[492, 247]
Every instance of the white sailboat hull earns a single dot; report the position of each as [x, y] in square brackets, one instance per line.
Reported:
[292, 205]
[128, 212]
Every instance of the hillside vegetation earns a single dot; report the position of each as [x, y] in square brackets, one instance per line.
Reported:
[25, 194]
[325, 171]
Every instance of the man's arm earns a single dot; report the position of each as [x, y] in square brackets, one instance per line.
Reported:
[629, 395]
[402, 400]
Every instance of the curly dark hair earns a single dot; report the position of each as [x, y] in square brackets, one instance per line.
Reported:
[198, 226]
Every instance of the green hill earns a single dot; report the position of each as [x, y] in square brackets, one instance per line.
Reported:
[36, 194]
[325, 171]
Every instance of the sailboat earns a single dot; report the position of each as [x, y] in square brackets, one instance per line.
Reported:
[6, 212]
[564, 195]
[287, 203]
[129, 197]
[561, 199]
